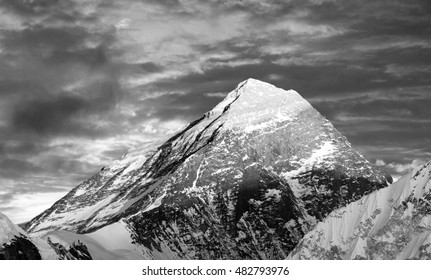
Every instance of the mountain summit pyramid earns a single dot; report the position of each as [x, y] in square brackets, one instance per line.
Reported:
[245, 181]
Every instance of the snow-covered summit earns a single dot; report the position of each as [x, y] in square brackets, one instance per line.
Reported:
[252, 88]
[254, 101]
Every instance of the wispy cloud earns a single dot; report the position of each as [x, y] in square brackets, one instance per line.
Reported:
[399, 169]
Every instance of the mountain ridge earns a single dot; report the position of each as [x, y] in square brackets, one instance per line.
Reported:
[227, 179]
[390, 223]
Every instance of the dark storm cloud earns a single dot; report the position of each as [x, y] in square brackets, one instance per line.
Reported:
[26, 7]
[93, 57]
[149, 67]
[25, 148]
[55, 116]
[8, 88]
[50, 49]
[13, 168]
[39, 38]
[51, 56]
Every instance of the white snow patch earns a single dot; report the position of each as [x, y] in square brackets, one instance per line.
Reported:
[222, 170]
[324, 152]
[156, 203]
[80, 192]
[239, 175]
[270, 193]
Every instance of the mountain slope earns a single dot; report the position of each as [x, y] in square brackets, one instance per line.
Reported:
[109, 243]
[392, 223]
[247, 180]
[14, 244]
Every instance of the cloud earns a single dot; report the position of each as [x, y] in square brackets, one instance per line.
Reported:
[216, 94]
[47, 115]
[25, 206]
[13, 168]
[397, 170]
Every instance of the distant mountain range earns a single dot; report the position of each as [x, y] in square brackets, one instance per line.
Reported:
[392, 223]
[262, 175]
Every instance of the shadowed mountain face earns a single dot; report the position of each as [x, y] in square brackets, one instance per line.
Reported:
[245, 181]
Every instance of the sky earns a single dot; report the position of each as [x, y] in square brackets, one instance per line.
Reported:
[81, 82]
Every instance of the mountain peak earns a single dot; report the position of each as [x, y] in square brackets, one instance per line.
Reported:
[254, 87]
[254, 101]
[262, 165]
[250, 82]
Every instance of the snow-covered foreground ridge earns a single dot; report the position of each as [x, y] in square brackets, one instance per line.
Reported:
[246, 180]
[111, 242]
[8, 230]
[14, 243]
[391, 223]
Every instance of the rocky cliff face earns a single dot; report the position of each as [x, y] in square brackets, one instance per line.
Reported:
[392, 223]
[245, 181]
[76, 251]
[19, 248]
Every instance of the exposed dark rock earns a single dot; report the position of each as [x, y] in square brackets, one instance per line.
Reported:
[19, 248]
[76, 251]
